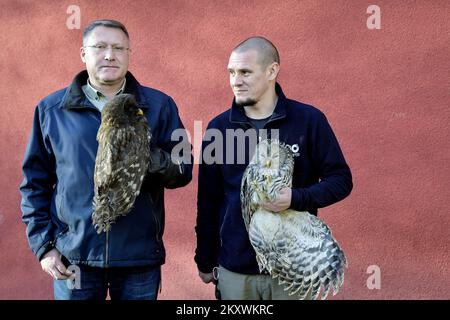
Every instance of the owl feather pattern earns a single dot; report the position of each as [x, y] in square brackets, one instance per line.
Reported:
[295, 247]
[122, 160]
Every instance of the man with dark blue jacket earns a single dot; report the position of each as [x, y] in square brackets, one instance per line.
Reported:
[321, 174]
[58, 186]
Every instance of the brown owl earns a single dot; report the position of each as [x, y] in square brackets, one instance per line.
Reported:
[122, 160]
[295, 247]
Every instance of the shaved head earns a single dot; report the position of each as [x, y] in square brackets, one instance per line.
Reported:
[267, 52]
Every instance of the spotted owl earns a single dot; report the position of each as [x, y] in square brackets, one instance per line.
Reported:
[122, 160]
[295, 247]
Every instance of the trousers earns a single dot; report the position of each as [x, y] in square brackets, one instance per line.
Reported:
[122, 283]
[236, 286]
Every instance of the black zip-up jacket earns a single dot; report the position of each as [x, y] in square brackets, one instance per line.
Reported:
[58, 186]
[321, 178]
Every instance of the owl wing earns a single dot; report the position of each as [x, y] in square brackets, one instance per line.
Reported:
[133, 168]
[249, 193]
[314, 259]
[303, 255]
[245, 198]
[121, 164]
[106, 180]
[106, 160]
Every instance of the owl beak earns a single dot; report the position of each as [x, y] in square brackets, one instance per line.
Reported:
[140, 112]
[268, 163]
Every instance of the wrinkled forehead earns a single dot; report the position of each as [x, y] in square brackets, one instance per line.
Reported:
[107, 35]
[244, 60]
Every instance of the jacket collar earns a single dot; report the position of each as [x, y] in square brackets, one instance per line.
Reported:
[237, 114]
[75, 98]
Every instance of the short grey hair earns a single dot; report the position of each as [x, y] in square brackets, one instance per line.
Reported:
[104, 23]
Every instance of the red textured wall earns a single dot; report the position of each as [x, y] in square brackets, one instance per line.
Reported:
[386, 93]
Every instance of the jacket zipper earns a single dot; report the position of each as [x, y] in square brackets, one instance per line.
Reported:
[157, 227]
[107, 249]
[60, 204]
[98, 117]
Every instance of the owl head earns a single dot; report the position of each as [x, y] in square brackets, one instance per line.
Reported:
[273, 164]
[122, 109]
[271, 156]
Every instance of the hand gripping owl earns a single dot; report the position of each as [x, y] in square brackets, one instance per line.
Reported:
[122, 160]
[295, 247]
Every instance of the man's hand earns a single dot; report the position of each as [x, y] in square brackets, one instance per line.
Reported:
[52, 264]
[281, 202]
[206, 277]
[161, 162]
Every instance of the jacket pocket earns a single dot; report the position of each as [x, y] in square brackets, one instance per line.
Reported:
[225, 220]
[59, 239]
[156, 218]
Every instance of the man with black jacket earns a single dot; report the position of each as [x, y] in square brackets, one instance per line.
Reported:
[58, 188]
[321, 174]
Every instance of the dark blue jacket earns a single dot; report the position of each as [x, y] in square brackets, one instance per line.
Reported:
[221, 234]
[58, 188]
